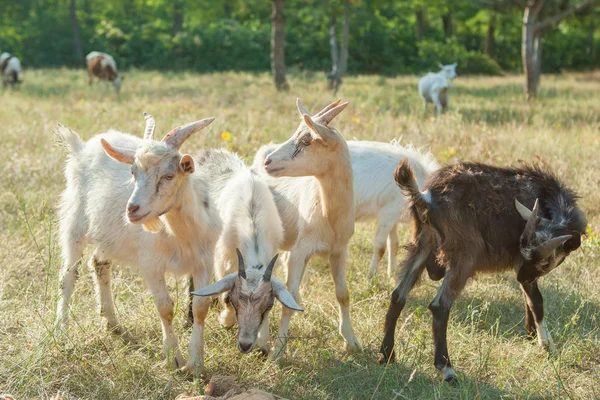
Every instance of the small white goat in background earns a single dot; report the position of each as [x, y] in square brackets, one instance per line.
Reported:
[434, 87]
[376, 195]
[310, 176]
[106, 203]
[11, 70]
[244, 255]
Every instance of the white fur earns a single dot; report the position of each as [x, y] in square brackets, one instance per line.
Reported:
[376, 195]
[434, 87]
[107, 59]
[544, 337]
[13, 66]
[251, 223]
[92, 211]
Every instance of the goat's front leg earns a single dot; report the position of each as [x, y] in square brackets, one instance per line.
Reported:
[101, 269]
[200, 304]
[338, 270]
[452, 285]
[297, 261]
[165, 306]
[535, 301]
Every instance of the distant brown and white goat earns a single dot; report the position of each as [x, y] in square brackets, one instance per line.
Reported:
[103, 67]
[471, 218]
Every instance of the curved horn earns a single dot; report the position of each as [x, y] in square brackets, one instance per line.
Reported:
[531, 225]
[329, 107]
[177, 136]
[241, 267]
[547, 248]
[325, 118]
[301, 109]
[269, 270]
[150, 126]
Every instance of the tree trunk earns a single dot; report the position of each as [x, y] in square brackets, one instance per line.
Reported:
[333, 79]
[537, 59]
[420, 23]
[278, 46]
[447, 22]
[527, 52]
[490, 39]
[177, 17]
[76, 36]
[591, 45]
[345, 38]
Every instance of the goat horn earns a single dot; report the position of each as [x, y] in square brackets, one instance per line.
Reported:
[548, 247]
[241, 267]
[177, 136]
[150, 126]
[301, 108]
[329, 107]
[531, 220]
[269, 270]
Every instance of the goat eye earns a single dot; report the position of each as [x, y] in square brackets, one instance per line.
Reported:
[169, 177]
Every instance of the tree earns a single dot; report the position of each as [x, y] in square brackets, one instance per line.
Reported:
[278, 46]
[76, 36]
[532, 35]
[339, 60]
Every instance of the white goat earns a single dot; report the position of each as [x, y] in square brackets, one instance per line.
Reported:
[376, 195]
[311, 178]
[434, 87]
[106, 203]
[252, 233]
[11, 70]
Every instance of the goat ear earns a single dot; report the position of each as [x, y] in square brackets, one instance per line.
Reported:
[186, 164]
[301, 109]
[326, 117]
[573, 243]
[218, 287]
[284, 296]
[319, 131]
[455, 65]
[522, 210]
[126, 156]
[177, 136]
[329, 107]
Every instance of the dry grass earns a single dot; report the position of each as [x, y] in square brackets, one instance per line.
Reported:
[489, 121]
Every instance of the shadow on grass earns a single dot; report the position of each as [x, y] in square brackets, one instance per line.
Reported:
[359, 377]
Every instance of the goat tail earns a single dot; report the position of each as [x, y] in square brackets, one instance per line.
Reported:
[405, 179]
[68, 139]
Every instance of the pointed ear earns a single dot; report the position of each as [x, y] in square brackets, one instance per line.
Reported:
[186, 164]
[284, 296]
[218, 287]
[329, 107]
[326, 118]
[455, 65]
[301, 109]
[177, 136]
[318, 130]
[440, 65]
[125, 156]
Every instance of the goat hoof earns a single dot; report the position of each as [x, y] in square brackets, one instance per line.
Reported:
[384, 358]
[451, 380]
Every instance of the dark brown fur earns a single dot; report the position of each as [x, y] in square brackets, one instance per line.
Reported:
[468, 223]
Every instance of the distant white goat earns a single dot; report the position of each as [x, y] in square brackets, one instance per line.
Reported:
[311, 178]
[376, 195]
[244, 255]
[11, 70]
[106, 203]
[434, 87]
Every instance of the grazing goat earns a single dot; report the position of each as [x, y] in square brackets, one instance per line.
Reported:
[470, 218]
[434, 87]
[103, 67]
[10, 67]
[252, 233]
[310, 176]
[139, 203]
[375, 193]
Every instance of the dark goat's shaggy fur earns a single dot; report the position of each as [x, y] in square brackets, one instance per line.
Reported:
[466, 221]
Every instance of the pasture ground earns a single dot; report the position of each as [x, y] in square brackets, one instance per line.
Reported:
[490, 121]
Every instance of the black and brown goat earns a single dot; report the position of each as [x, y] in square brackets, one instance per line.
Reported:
[103, 67]
[472, 218]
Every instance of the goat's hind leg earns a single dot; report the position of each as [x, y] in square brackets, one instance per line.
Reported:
[392, 246]
[384, 227]
[412, 268]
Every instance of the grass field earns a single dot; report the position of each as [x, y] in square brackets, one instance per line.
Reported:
[490, 121]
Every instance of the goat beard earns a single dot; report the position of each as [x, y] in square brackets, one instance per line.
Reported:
[153, 225]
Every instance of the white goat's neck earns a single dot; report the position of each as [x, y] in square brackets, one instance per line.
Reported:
[336, 192]
[185, 219]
